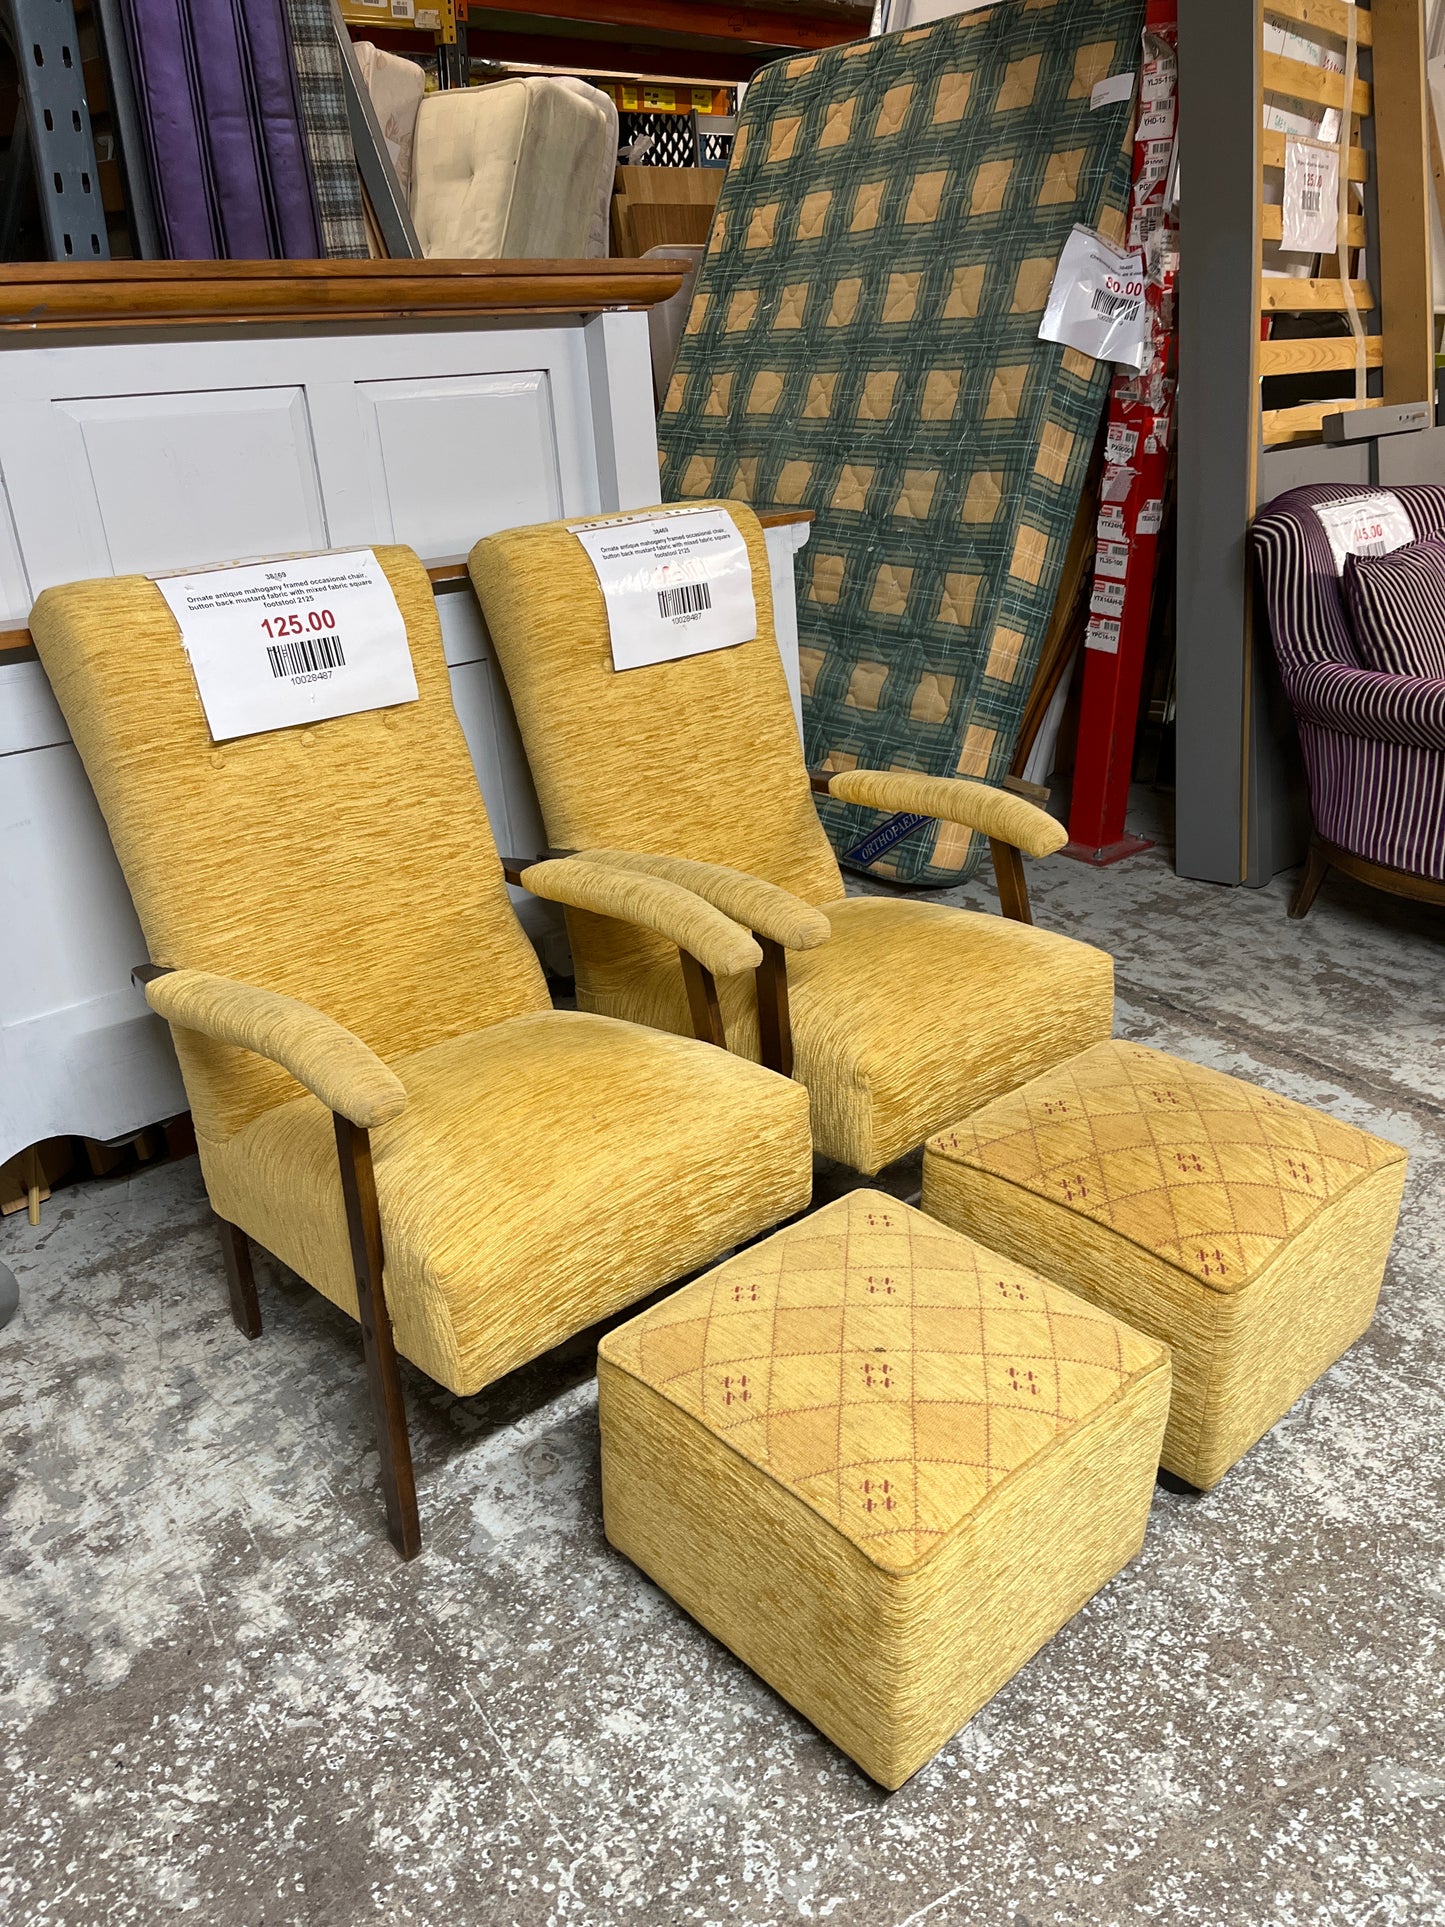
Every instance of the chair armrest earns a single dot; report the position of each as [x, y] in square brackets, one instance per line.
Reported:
[717, 943]
[329, 1060]
[761, 907]
[996, 814]
[1361, 702]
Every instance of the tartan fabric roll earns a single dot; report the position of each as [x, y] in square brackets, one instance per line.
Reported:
[328, 132]
[864, 342]
[1374, 744]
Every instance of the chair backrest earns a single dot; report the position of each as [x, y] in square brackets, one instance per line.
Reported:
[348, 863]
[1307, 617]
[696, 758]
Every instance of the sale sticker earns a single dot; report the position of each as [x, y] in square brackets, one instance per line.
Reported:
[676, 582]
[1309, 221]
[1375, 522]
[1096, 303]
[295, 640]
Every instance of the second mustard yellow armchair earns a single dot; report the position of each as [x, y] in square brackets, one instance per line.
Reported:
[898, 1014]
[383, 1095]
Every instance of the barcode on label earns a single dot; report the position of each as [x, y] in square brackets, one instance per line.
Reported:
[306, 655]
[1309, 200]
[1113, 304]
[688, 599]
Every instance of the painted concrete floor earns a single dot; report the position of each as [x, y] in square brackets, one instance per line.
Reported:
[224, 1699]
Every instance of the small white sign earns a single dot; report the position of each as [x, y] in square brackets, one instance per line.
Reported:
[1151, 518]
[1096, 303]
[1108, 93]
[1111, 522]
[1112, 559]
[1120, 443]
[296, 640]
[676, 582]
[1158, 123]
[1309, 220]
[1102, 634]
[1373, 524]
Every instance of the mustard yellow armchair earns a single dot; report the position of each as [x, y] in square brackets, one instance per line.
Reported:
[383, 1095]
[898, 1014]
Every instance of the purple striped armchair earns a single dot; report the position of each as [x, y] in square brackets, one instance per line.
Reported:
[1374, 745]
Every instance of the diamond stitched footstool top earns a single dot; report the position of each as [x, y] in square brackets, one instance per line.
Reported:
[897, 1381]
[1245, 1195]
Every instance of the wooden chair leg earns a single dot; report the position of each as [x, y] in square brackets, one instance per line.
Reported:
[1013, 890]
[1311, 877]
[775, 1024]
[702, 1002]
[363, 1222]
[240, 1279]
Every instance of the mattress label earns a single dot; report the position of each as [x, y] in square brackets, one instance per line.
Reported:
[1369, 524]
[675, 582]
[1108, 93]
[296, 640]
[1096, 303]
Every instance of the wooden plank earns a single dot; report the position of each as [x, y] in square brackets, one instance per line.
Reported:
[1323, 17]
[1305, 423]
[1285, 294]
[128, 294]
[1272, 225]
[1317, 356]
[803, 26]
[1271, 154]
[1299, 81]
[1401, 143]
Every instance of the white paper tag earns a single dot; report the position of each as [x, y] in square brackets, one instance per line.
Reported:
[297, 640]
[1151, 518]
[1120, 443]
[1107, 93]
[1111, 522]
[1310, 216]
[1097, 301]
[1158, 123]
[1107, 599]
[1102, 634]
[676, 582]
[1374, 524]
[1112, 559]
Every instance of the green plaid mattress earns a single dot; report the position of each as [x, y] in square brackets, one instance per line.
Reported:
[864, 343]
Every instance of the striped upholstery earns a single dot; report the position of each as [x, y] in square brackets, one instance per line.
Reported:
[1374, 744]
[1397, 609]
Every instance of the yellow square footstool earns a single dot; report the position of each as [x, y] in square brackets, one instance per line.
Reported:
[1248, 1232]
[880, 1463]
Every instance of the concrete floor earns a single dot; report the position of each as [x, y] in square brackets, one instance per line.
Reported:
[223, 1698]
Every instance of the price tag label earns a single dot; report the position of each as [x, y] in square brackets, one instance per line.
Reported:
[1096, 303]
[1309, 221]
[676, 582]
[1107, 599]
[1112, 559]
[1151, 517]
[298, 640]
[1376, 523]
[1102, 635]
[1111, 522]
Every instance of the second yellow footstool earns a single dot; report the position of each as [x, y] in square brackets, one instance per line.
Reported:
[1246, 1231]
[880, 1463]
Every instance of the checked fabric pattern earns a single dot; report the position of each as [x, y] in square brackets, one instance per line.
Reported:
[1210, 1174]
[863, 343]
[887, 1370]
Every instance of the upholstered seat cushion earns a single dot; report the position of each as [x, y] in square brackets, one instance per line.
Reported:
[546, 1171]
[512, 171]
[1396, 604]
[1248, 1232]
[1004, 1001]
[881, 1463]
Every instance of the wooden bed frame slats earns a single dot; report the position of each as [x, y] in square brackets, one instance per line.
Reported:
[1318, 355]
[1299, 81]
[1271, 153]
[1283, 294]
[1304, 423]
[1323, 17]
[1272, 225]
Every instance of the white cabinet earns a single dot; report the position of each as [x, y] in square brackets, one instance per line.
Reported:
[145, 454]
